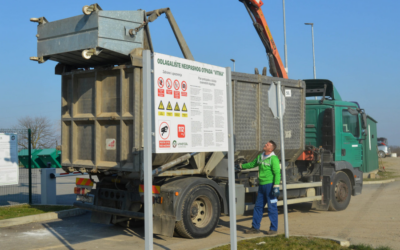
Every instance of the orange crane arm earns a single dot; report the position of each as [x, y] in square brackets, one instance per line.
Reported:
[276, 67]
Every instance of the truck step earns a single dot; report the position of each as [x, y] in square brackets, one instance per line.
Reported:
[289, 186]
[289, 202]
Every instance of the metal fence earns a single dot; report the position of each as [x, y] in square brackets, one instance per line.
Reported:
[28, 188]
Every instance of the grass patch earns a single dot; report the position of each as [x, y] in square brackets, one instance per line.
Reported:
[24, 210]
[387, 175]
[281, 243]
[366, 247]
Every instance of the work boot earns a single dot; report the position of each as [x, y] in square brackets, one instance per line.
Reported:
[270, 232]
[252, 230]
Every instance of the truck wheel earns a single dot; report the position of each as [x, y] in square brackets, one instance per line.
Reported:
[340, 192]
[200, 213]
[381, 154]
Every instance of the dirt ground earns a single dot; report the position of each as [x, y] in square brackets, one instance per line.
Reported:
[372, 218]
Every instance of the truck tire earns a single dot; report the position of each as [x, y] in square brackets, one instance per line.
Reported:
[340, 192]
[381, 154]
[200, 213]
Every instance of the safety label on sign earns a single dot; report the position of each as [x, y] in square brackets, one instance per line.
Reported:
[176, 84]
[181, 131]
[189, 89]
[177, 107]
[169, 83]
[161, 92]
[184, 86]
[161, 106]
[164, 130]
[169, 107]
[160, 82]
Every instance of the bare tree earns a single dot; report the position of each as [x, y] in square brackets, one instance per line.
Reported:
[43, 134]
[395, 149]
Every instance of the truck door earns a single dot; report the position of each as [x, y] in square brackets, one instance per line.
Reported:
[351, 150]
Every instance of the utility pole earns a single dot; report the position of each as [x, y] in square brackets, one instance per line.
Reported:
[313, 53]
[233, 60]
[284, 33]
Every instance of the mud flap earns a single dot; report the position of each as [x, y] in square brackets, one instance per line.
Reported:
[164, 225]
[323, 204]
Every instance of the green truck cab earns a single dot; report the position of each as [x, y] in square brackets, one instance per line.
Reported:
[336, 129]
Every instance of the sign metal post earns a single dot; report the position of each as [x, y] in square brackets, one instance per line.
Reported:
[147, 167]
[231, 163]
[283, 163]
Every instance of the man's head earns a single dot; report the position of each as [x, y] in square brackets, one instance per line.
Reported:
[269, 147]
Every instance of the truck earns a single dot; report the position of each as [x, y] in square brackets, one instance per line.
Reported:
[383, 147]
[100, 62]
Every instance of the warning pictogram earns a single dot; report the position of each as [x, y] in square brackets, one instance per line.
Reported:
[184, 86]
[176, 84]
[184, 108]
[177, 107]
[160, 82]
[161, 106]
[169, 83]
[181, 131]
[164, 130]
[110, 144]
[169, 106]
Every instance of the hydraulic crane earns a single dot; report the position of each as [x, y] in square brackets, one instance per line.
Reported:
[276, 67]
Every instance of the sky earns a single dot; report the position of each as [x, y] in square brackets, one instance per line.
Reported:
[356, 47]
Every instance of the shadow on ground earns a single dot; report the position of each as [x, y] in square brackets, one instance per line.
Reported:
[70, 233]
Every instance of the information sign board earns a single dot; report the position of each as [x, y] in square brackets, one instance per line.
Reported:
[9, 174]
[190, 106]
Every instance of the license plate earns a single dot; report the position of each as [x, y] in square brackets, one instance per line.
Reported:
[84, 198]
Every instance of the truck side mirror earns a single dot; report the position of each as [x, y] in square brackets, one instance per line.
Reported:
[364, 120]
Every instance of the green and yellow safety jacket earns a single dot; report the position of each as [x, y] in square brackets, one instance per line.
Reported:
[269, 169]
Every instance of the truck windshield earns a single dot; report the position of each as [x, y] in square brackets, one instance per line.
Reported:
[382, 141]
[350, 123]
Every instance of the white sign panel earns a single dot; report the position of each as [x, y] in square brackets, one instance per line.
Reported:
[190, 103]
[9, 174]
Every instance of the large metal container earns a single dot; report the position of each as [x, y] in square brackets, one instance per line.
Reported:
[254, 124]
[105, 31]
[102, 106]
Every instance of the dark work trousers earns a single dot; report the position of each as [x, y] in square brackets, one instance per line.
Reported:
[265, 195]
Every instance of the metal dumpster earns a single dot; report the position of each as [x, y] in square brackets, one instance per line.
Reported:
[109, 35]
[36, 162]
[50, 155]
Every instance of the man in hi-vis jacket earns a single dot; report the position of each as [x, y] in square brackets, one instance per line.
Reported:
[268, 189]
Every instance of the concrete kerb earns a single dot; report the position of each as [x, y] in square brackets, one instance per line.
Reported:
[41, 217]
[368, 174]
[341, 242]
[378, 182]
